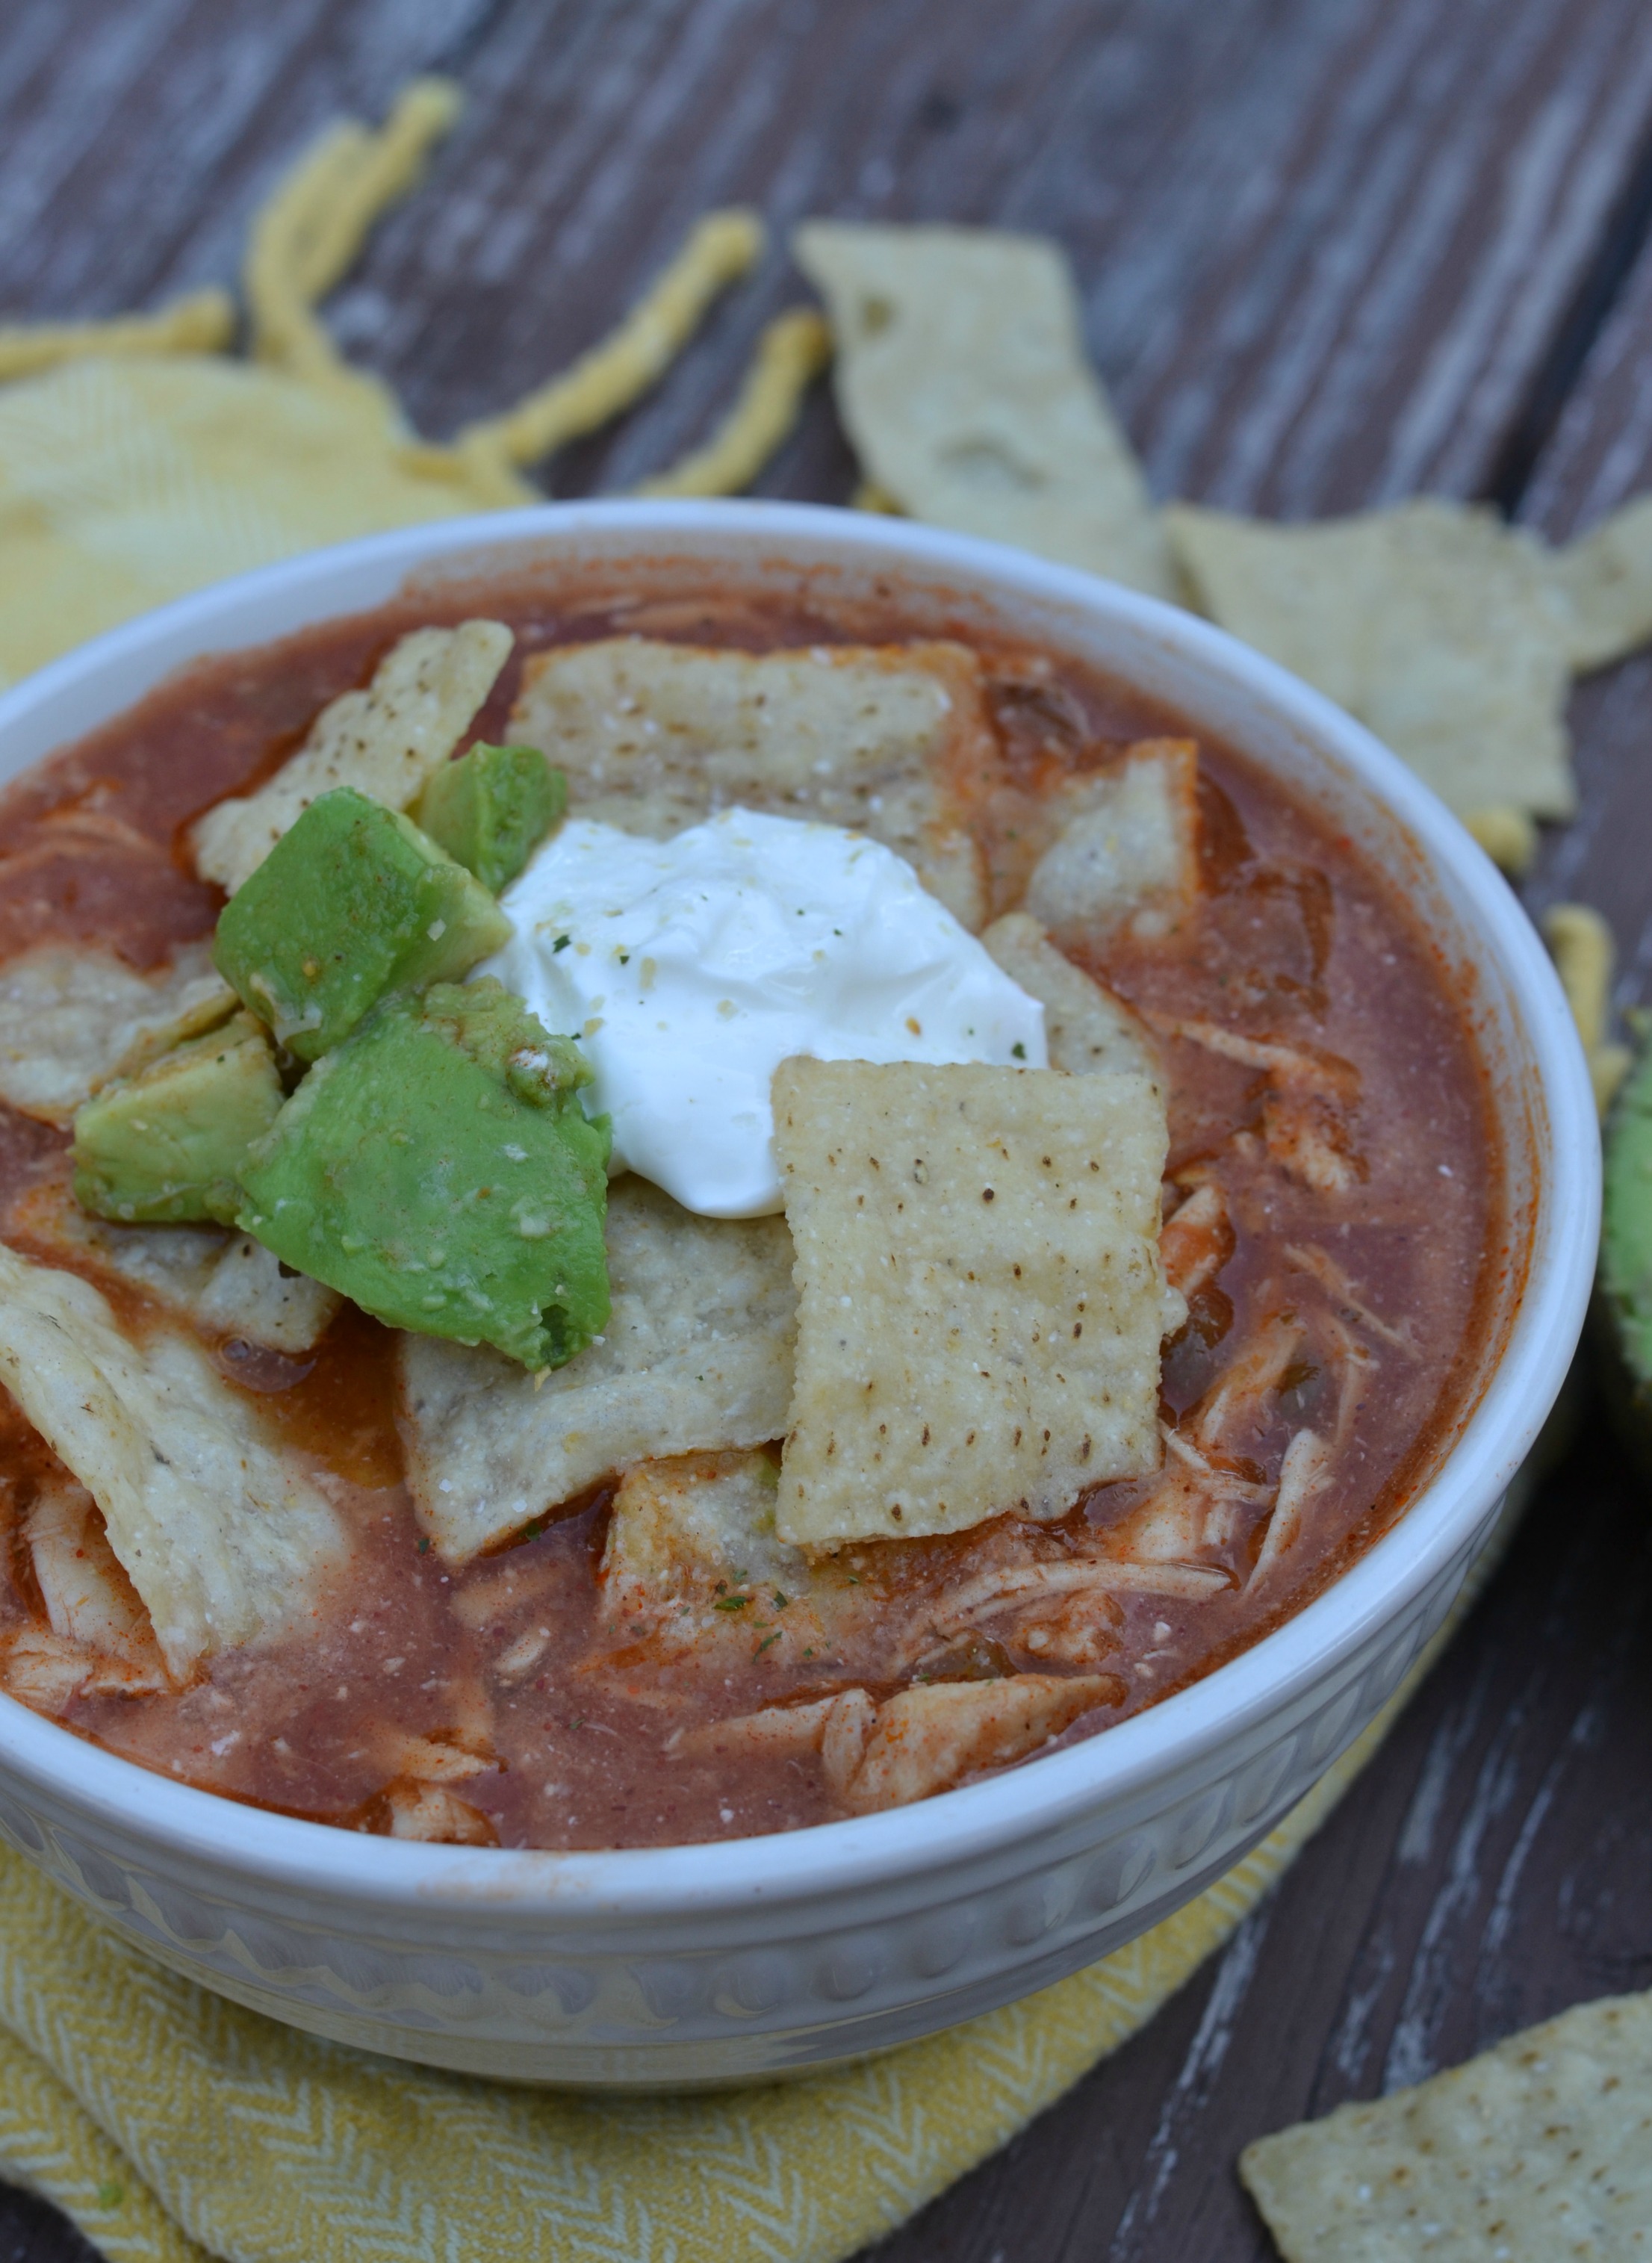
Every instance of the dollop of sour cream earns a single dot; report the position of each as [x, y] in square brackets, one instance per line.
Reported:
[689, 969]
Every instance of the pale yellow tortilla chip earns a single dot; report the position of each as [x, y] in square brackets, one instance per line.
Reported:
[126, 482]
[1537, 2150]
[1605, 579]
[385, 741]
[1125, 853]
[226, 1283]
[224, 1539]
[72, 1017]
[981, 1298]
[697, 1355]
[1435, 624]
[654, 737]
[1087, 1031]
[963, 380]
[681, 1525]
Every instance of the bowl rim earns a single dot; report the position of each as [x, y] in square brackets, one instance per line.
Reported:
[1170, 1739]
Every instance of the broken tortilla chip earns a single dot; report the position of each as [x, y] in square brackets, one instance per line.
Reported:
[71, 1018]
[1087, 1031]
[963, 380]
[1605, 578]
[385, 741]
[227, 1284]
[222, 1536]
[654, 737]
[688, 1533]
[696, 1355]
[981, 1298]
[1538, 2149]
[1433, 623]
[1127, 852]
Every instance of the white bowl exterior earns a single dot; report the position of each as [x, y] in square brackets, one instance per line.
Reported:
[715, 1963]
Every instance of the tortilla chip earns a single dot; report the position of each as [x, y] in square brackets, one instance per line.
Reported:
[227, 1283]
[1433, 623]
[697, 1356]
[1538, 2149]
[687, 1523]
[385, 741]
[72, 1018]
[1605, 579]
[1127, 852]
[655, 737]
[963, 380]
[1087, 1031]
[981, 1295]
[223, 1539]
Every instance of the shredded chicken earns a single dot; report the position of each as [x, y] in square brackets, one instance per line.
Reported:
[99, 1641]
[431, 1812]
[1197, 1240]
[1305, 1112]
[1308, 1258]
[922, 1740]
[1301, 1475]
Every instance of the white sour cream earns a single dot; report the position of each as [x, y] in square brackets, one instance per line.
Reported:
[689, 969]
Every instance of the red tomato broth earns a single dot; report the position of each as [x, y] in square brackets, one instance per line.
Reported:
[1298, 941]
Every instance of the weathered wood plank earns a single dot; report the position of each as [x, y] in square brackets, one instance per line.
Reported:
[1323, 246]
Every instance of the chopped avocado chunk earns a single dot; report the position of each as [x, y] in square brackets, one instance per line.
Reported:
[1626, 1244]
[352, 903]
[492, 808]
[167, 1145]
[438, 1168]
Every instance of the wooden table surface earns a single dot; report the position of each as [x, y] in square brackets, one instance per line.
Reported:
[1333, 252]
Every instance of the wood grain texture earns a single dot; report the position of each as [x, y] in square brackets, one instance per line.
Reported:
[1330, 251]
[1323, 244]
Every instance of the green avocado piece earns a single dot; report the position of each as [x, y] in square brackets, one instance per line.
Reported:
[438, 1168]
[492, 808]
[352, 903]
[166, 1145]
[1626, 1243]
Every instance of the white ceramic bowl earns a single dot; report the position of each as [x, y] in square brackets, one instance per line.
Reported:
[699, 1964]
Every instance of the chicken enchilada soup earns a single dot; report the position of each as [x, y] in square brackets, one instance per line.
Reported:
[632, 1224]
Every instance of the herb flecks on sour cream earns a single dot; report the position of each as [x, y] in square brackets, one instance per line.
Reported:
[689, 969]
